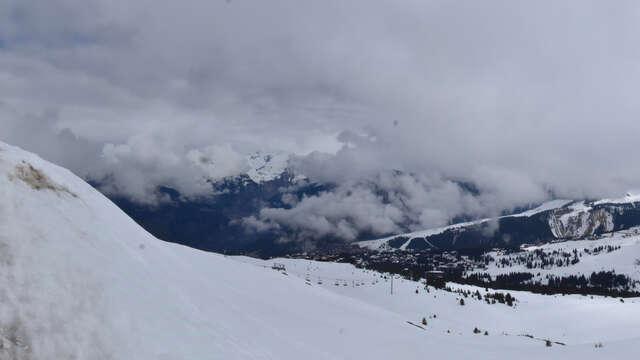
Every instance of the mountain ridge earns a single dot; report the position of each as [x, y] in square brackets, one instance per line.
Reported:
[557, 219]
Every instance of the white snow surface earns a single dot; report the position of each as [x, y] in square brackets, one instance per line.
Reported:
[631, 197]
[266, 166]
[549, 205]
[81, 280]
[569, 319]
[381, 244]
[625, 261]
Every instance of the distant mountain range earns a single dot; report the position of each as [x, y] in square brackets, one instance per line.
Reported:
[212, 223]
[558, 219]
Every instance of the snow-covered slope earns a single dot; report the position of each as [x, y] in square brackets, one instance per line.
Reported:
[556, 219]
[618, 252]
[567, 319]
[383, 244]
[81, 280]
[424, 235]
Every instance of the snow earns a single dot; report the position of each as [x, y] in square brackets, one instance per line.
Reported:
[622, 261]
[381, 244]
[629, 198]
[568, 319]
[266, 166]
[570, 219]
[79, 279]
[549, 205]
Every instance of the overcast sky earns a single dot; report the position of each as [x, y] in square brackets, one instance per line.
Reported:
[524, 99]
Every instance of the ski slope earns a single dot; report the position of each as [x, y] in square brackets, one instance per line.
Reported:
[382, 244]
[81, 280]
[625, 261]
[568, 319]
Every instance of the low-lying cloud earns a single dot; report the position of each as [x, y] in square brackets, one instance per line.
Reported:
[526, 101]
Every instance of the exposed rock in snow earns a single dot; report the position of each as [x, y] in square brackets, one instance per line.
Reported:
[579, 220]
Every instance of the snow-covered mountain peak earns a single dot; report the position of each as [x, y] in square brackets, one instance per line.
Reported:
[266, 166]
[629, 197]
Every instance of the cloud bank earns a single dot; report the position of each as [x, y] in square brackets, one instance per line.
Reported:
[526, 100]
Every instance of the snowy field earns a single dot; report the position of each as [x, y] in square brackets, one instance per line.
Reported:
[568, 319]
[81, 280]
[625, 260]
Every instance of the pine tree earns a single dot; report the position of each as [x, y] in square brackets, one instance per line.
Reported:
[509, 299]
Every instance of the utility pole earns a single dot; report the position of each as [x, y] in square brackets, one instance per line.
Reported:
[391, 284]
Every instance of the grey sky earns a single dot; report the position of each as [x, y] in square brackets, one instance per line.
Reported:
[521, 98]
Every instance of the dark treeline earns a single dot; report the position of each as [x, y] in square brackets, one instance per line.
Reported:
[541, 259]
[605, 283]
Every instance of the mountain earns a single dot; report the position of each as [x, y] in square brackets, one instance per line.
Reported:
[212, 223]
[81, 280]
[558, 219]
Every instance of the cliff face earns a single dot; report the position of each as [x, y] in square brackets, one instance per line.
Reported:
[567, 224]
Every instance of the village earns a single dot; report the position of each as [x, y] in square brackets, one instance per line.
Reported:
[436, 267]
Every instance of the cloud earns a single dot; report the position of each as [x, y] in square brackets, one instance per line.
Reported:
[391, 202]
[523, 100]
[138, 167]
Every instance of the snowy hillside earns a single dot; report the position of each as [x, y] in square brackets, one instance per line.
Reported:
[557, 219]
[566, 319]
[81, 280]
[618, 252]
[404, 241]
